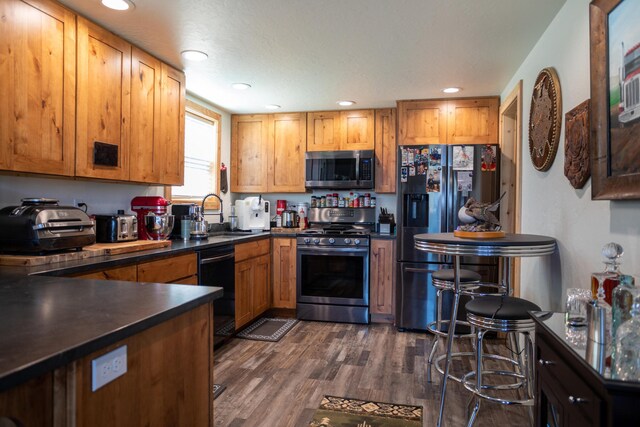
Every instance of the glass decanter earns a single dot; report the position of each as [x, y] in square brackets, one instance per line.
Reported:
[611, 252]
[623, 297]
[627, 344]
[600, 279]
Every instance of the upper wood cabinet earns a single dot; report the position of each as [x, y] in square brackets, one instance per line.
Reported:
[340, 130]
[385, 150]
[463, 121]
[267, 153]
[37, 87]
[103, 103]
[157, 121]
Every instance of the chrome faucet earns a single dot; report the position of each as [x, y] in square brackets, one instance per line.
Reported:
[220, 212]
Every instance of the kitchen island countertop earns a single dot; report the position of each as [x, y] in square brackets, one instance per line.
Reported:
[48, 322]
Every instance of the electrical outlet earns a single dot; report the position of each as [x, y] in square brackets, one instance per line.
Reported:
[108, 367]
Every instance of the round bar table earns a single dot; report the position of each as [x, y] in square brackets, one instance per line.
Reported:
[509, 246]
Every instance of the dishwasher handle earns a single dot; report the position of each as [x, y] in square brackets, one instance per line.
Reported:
[217, 258]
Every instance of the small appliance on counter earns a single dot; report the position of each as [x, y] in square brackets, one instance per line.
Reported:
[184, 214]
[40, 225]
[116, 228]
[253, 214]
[144, 205]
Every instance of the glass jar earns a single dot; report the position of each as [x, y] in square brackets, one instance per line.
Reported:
[341, 202]
[323, 201]
[367, 200]
[623, 297]
[612, 252]
[373, 202]
[334, 199]
[314, 202]
[627, 347]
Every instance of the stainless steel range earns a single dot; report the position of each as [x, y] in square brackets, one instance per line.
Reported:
[333, 265]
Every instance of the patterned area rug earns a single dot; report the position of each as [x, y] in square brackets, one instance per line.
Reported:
[217, 390]
[342, 412]
[268, 329]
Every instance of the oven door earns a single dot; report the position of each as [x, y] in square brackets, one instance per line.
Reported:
[333, 276]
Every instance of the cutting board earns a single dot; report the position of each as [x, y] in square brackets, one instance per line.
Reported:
[97, 249]
[127, 247]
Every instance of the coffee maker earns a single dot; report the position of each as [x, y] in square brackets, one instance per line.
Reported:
[253, 214]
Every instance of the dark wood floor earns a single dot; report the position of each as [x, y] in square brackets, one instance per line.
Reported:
[281, 384]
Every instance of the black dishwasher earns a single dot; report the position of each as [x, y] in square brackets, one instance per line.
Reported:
[216, 267]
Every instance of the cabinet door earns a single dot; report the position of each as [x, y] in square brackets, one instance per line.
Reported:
[37, 87]
[284, 273]
[168, 270]
[287, 141]
[422, 122]
[128, 273]
[249, 147]
[382, 269]
[29, 403]
[323, 131]
[473, 121]
[171, 135]
[357, 130]
[385, 149]
[261, 295]
[103, 103]
[244, 283]
[145, 117]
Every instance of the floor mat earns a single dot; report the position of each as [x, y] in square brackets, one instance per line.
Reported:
[268, 329]
[343, 412]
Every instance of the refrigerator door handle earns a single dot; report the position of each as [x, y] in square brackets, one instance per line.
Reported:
[419, 270]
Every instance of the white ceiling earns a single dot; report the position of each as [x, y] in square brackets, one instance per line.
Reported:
[307, 54]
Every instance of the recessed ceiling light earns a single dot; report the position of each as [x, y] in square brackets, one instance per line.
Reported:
[451, 90]
[241, 86]
[118, 4]
[272, 107]
[194, 55]
[345, 103]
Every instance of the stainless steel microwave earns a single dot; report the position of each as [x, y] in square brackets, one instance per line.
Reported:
[340, 169]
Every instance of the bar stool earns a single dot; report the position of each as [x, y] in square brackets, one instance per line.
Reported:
[501, 314]
[443, 280]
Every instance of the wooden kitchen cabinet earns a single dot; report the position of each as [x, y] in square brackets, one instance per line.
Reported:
[127, 273]
[382, 269]
[37, 105]
[29, 404]
[385, 150]
[252, 278]
[462, 121]
[249, 148]
[284, 272]
[172, 116]
[103, 103]
[341, 130]
[267, 153]
[169, 270]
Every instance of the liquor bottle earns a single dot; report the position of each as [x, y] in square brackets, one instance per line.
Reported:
[627, 344]
[623, 297]
[611, 274]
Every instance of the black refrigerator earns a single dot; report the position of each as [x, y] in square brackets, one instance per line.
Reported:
[435, 181]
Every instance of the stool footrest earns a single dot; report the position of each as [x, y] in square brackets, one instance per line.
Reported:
[497, 357]
[471, 386]
[431, 327]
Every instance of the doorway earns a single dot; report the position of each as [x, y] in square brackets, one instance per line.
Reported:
[511, 171]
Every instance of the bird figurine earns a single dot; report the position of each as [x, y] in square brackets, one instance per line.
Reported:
[479, 216]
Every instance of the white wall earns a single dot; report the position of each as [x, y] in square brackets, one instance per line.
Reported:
[101, 197]
[550, 205]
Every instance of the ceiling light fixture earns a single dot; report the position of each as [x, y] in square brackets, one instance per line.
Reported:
[272, 107]
[345, 103]
[194, 55]
[451, 90]
[241, 86]
[118, 4]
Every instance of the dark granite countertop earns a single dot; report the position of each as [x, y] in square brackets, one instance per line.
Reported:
[47, 322]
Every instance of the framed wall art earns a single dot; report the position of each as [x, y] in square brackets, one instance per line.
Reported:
[615, 99]
[545, 119]
[577, 166]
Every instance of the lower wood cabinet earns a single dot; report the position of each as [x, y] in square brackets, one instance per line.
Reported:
[180, 269]
[252, 277]
[28, 404]
[284, 272]
[381, 274]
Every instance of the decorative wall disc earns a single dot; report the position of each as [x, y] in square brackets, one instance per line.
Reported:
[545, 119]
[576, 145]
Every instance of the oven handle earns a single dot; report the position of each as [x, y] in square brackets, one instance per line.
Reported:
[217, 258]
[419, 270]
[333, 250]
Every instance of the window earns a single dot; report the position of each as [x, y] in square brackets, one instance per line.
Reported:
[201, 157]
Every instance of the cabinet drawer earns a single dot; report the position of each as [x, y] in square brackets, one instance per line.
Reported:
[168, 270]
[252, 249]
[578, 398]
[191, 280]
[128, 273]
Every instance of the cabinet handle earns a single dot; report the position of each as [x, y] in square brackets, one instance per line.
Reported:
[577, 400]
[543, 362]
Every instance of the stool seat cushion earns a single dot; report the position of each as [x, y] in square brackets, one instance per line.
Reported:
[448, 273]
[501, 308]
